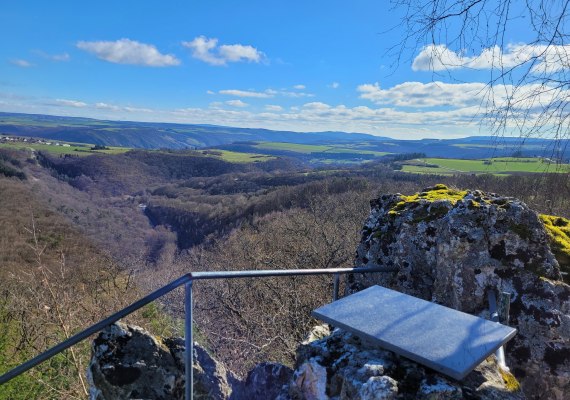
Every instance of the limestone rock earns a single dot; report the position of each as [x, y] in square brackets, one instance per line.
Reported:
[129, 363]
[342, 366]
[266, 381]
[310, 381]
[451, 247]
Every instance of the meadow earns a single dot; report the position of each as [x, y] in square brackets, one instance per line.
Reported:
[237, 157]
[75, 149]
[496, 166]
[313, 148]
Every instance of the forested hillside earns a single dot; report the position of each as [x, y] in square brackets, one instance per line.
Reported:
[84, 236]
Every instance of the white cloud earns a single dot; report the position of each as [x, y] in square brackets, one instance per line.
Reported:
[334, 85]
[266, 94]
[523, 102]
[316, 105]
[137, 110]
[126, 51]
[21, 63]
[273, 107]
[432, 94]
[207, 50]
[238, 52]
[546, 58]
[299, 87]
[115, 108]
[53, 57]
[236, 103]
[295, 94]
[317, 116]
[247, 93]
[210, 92]
[105, 106]
[60, 57]
[71, 103]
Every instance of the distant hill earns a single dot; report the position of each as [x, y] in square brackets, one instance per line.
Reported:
[149, 135]
[331, 147]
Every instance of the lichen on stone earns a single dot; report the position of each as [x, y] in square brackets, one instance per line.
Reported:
[430, 195]
[558, 229]
[511, 383]
[452, 247]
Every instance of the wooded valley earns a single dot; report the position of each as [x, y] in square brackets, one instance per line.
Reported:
[83, 236]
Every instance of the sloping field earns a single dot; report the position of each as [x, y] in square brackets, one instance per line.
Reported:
[73, 149]
[501, 166]
[310, 148]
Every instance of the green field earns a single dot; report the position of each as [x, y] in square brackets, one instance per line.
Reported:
[73, 149]
[297, 148]
[236, 157]
[312, 148]
[496, 166]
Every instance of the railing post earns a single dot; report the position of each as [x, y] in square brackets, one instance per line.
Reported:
[189, 342]
[494, 314]
[335, 286]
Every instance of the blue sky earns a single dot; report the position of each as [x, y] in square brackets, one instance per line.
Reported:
[295, 65]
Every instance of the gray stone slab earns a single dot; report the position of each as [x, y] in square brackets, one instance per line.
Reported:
[441, 338]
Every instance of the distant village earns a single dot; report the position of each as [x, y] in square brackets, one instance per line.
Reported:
[22, 139]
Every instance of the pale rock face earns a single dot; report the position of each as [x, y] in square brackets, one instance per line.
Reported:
[452, 251]
[342, 367]
[310, 381]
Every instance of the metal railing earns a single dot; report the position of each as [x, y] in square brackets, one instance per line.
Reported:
[187, 281]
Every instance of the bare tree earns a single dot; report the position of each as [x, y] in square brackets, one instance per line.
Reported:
[528, 87]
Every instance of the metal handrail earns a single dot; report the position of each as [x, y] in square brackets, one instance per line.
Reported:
[187, 281]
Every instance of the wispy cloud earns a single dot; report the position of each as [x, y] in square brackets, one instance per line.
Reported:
[247, 93]
[299, 87]
[236, 103]
[287, 93]
[21, 63]
[207, 50]
[273, 107]
[432, 94]
[53, 57]
[265, 94]
[334, 85]
[545, 58]
[126, 51]
[70, 103]
[105, 106]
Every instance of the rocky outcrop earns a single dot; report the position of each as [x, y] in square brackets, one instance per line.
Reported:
[341, 366]
[129, 363]
[451, 247]
[265, 381]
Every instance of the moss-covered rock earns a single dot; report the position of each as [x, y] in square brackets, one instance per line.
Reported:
[438, 192]
[558, 229]
[452, 246]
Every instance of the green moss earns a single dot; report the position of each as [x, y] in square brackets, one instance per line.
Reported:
[473, 205]
[511, 382]
[438, 192]
[522, 230]
[558, 230]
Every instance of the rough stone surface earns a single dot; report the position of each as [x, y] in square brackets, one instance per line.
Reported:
[129, 363]
[342, 366]
[451, 247]
[265, 381]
